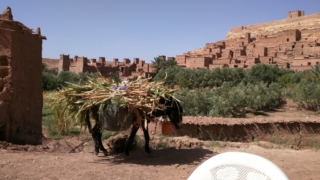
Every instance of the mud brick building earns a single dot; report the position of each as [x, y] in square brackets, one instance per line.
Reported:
[20, 81]
[289, 43]
[124, 69]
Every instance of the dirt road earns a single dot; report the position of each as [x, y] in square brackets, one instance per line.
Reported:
[71, 158]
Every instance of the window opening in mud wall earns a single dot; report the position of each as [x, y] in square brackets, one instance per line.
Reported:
[309, 63]
[287, 39]
[4, 72]
[4, 61]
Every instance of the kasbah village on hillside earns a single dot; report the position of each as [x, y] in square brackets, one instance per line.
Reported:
[192, 147]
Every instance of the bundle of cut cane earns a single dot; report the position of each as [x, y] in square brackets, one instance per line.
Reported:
[140, 94]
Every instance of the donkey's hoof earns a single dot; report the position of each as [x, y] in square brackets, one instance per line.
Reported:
[105, 153]
[96, 153]
[147, 150]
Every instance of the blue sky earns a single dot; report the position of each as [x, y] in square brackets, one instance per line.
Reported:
[142, 28]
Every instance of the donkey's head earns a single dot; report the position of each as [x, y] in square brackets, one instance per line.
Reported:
[173, 110]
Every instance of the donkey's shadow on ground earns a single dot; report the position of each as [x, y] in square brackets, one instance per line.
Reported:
[166, 156]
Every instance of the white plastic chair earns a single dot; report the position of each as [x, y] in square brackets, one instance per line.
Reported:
[237, 166]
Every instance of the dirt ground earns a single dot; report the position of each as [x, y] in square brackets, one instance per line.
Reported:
[73, 158]
[171, 157]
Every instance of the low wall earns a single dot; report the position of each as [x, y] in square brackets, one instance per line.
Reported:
[296, 132]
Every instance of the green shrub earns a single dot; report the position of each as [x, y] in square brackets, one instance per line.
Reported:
[84, 76]
[230, 101]
[183, 82]
[261, 96]
[200, 78]
[307, 94]
[171, 74]
[67, 76]
[265, 73]
[195, 102]
[49, 81]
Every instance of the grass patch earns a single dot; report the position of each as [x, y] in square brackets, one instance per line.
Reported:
[162, 145]
[55, 137]
[140, 141]
[107, 134]
[161, 142]
[75, 131]
[48, 121]
[267, 145]
[213, 144]
[313, 145]
[280, 141]
[162, 136]
[50, 124]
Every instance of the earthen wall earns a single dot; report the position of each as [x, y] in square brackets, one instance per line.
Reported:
[106, 68]
[221, 61]
[298, 132]
[198, 62]
[311, 50]
[306, 62]
[20, 83]
[266, 60]
[277, 42]
[294, 14]
[181, 59]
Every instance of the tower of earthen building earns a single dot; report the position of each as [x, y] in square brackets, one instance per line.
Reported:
[124, 69]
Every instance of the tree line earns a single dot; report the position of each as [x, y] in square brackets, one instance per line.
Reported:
[223, 92]
[226, 92]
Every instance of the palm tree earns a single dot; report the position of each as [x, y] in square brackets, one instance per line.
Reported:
[158, 64]
[316, 71]
[170, 63]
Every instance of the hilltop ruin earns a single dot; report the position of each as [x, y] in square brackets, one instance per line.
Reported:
[20, 81]
[290, 43]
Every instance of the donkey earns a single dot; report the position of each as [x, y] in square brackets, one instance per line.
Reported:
[173, 110]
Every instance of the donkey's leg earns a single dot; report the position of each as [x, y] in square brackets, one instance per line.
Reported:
[133, 133]
[93, 132]
[146, 137]
[96, 134]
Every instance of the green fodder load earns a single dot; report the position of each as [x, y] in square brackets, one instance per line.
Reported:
[141, 94]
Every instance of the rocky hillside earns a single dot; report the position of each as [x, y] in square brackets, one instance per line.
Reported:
[51, 63]
[308, 25]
